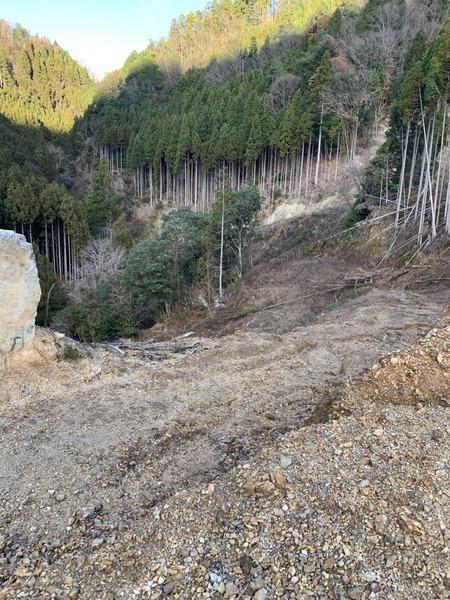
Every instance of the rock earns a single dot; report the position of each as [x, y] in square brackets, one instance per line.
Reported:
[22, 572]
[355, 593]
[279, 480]
[285, 461]
[411, 525]
[380, 524]
[370, 576]
[246, 564]
[390, 562]
[87, 512]
[169, 587]
[260, 594]
[19, 292]
[231, 590]
[214, 577]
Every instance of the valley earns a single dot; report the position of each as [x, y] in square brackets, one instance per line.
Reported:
[235, 248]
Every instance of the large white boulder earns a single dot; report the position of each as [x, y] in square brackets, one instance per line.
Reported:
[19, 293]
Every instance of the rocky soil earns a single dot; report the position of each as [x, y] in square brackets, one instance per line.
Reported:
[247, 466]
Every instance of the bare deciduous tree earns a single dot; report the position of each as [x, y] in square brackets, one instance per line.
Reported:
[100, 261]
[282, 90]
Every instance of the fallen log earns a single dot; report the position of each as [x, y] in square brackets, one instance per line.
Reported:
[252, 311]
[153, 350]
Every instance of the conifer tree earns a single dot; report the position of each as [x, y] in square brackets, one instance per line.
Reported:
[100, 202]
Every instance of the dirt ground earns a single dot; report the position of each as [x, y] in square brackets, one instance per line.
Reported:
[124, 434]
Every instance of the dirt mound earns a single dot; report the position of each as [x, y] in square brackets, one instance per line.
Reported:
[419, 376]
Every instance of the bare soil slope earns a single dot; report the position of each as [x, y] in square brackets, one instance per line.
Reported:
[93, 450]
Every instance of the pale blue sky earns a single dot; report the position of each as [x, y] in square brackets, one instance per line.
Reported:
[98, 33]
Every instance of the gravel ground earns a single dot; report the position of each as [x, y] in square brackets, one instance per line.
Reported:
[215, 474]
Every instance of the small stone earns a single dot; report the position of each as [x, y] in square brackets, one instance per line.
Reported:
[355, 593]
[246, 564]
[22, 572]
[214, 577]
[231, 590]
[390, 562]
[411, 525]
[380, 524]
[279, 480]
[169, 587]
[74, 593]
[285, 461]
[260, 594]
[370, 576]
[379, 432]
[88, 512]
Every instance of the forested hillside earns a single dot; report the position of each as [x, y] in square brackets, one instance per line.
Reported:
[40, 84]
[244, 103]
[280, 114]
[42, 92]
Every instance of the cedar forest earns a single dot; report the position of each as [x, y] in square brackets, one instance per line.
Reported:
[244, 103]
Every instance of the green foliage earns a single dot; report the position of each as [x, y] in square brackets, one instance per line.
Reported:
[182, 233]
[42, 92]
[100, 203]
[40, 84]
[422, 85]
[359, 212]
[239, 79]
[104, 312]
[217, 109]
[161, 270]
[71, 353]
[239, 211]
[148, 275]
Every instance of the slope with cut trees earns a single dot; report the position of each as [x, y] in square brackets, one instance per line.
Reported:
[410, 176]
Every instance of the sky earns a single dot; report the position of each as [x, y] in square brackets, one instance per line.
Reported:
[100, 34]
